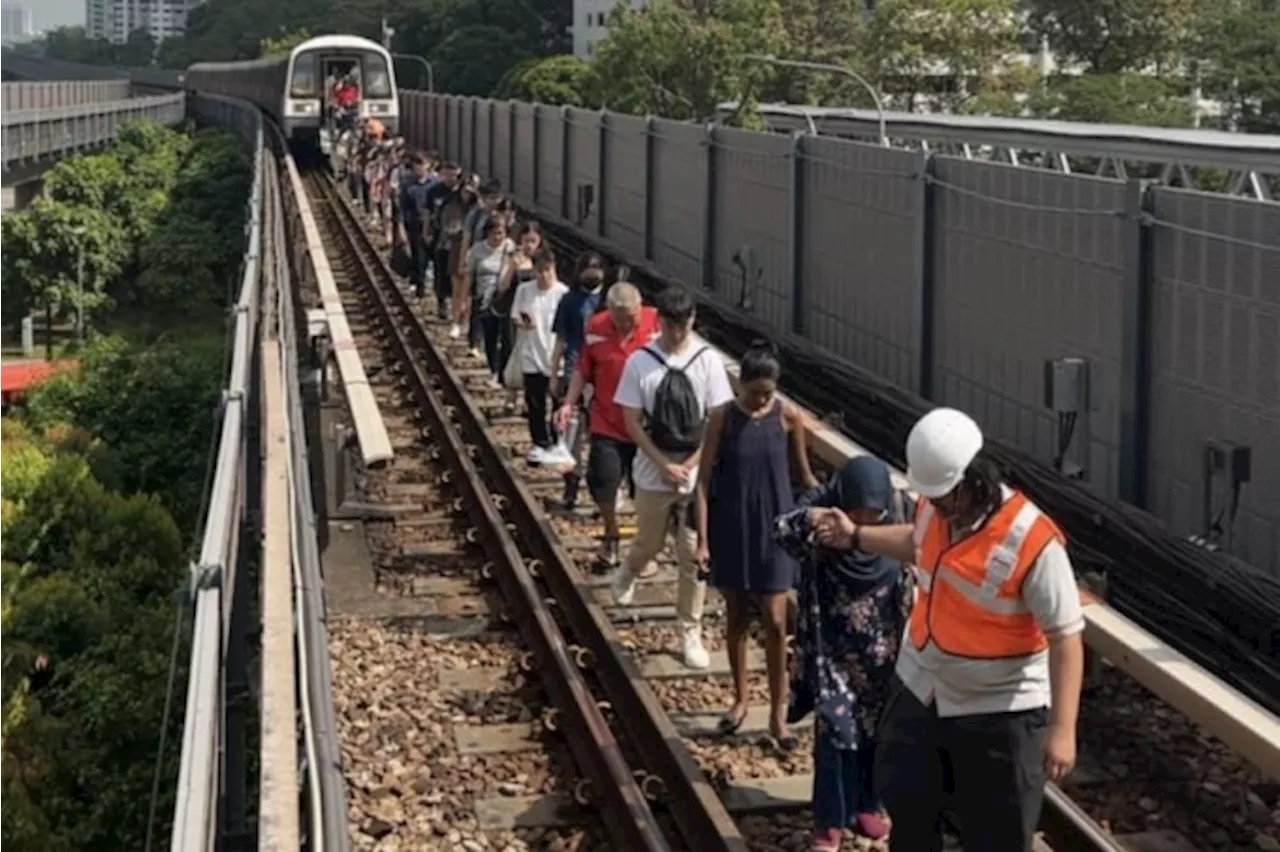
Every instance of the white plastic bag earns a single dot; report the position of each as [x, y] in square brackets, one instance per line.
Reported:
[513, 375]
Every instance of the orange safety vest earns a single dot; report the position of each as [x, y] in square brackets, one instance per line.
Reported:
[969, 594]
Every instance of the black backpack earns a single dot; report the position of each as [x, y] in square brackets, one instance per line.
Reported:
[677, 421]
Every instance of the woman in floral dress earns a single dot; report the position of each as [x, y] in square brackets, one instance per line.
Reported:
[852, 610]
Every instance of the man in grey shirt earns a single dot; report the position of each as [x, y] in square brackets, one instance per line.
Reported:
[991, 667]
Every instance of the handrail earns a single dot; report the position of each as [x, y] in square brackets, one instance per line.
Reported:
[195, 811]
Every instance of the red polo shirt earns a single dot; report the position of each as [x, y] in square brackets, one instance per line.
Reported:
[604, 356]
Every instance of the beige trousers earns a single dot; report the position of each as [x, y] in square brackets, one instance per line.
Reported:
[657, 513]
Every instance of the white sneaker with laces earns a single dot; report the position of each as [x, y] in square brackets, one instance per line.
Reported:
[624, 587]
[537, 455]
[695, 655]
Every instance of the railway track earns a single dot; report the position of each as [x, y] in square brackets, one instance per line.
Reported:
[629, 729]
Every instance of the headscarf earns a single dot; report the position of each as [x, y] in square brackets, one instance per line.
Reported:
[864, 483]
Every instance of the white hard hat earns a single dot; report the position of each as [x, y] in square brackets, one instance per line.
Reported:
[940, 448]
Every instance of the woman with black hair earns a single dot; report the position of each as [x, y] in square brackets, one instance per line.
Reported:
[744, 483]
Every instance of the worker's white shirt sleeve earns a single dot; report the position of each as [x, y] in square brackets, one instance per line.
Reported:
[1051, 593]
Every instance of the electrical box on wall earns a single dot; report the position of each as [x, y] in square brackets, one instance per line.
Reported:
[1066, 385]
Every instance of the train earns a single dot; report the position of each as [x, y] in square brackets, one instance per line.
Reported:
[292, 87]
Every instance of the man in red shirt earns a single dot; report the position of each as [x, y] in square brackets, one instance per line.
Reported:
[611, 336]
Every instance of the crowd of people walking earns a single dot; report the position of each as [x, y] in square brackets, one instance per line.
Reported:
[938, 638]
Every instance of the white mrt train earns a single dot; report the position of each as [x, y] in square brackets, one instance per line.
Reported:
[293, 87]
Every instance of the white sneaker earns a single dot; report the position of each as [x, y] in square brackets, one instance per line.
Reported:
[624, 587]
[558, 455]
[536, 456]
[493, 383]
[475, 352]
[695, 656]
[455, 331]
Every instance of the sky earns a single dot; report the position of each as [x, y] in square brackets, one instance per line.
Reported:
[48, 14]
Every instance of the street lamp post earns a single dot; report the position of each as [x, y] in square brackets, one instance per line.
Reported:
[431, 74]
[80, 233]
[833, 69]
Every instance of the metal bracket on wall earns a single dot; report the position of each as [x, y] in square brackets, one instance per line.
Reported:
[586, 199]
[745, 260]
[1225, 462]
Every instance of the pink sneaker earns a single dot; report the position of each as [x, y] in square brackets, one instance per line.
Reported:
[826, 840]
[873, 825]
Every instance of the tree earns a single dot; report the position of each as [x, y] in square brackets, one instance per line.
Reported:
[556, 80]
[271, 46]
[1240, 64]
[1113, 99]
[1113, 36]
[908, 42]
[465, 60]
[680, 60]
[139, 49]
[58, 256]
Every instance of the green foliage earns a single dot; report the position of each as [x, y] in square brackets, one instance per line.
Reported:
[679, 60]
[555, 80]
[1239, 51]
[153, 408]
[1113, 99]
[58, 256]
[270, 46]
[1113, 36]
[88, 582]
[72, 44]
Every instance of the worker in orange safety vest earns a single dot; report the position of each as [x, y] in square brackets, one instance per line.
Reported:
[990, 671]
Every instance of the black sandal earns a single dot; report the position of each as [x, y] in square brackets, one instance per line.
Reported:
[788, 742]
[730, 723]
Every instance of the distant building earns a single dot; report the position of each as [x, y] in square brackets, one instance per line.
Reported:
[113, 20]
[16, 25]
[590, 23]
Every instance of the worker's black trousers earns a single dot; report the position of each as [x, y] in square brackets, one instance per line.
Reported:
[986, 770]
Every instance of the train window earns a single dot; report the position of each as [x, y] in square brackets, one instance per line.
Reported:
[305, 83]
[377, 82]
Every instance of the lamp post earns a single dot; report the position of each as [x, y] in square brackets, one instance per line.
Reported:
[833, 69]
[431, 74]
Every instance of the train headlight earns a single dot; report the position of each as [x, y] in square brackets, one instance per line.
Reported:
[304, 107]
[379, 109]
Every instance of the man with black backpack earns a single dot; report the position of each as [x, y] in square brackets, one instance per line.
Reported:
[667, 392]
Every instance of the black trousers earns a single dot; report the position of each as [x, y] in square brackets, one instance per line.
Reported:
[443, 278]
[537, 387]
[987, 770]
[418, 255]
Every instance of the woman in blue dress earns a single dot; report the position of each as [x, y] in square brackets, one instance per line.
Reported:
[850, 620]
[744, 483]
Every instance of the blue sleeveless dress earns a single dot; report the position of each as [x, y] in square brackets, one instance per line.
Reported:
[750, 486]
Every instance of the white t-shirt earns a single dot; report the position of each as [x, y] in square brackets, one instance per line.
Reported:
[541, 306]
[639, 386]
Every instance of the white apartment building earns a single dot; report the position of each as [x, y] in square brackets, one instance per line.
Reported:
[113, 20]
[590, 23]
[16, 24]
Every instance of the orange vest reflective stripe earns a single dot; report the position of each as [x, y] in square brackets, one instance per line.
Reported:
[969, 594]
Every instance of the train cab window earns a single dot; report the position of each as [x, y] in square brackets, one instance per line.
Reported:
[305, 82]
[377, 82]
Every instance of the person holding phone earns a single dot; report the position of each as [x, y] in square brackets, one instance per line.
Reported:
[534, 308]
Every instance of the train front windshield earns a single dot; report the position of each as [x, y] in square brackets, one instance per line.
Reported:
[306, 77]
[377, 80]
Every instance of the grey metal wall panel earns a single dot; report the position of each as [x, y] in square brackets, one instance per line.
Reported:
[752, 212]
[1029, 268]
[484, 137]
[680, 198]
[1215, 363]
[453, 129]
[502, 136]
[861, 213]
[467, 132]
[625, 193]
[550, 196]
[52, 94]
[583, 128]
[525, 126]
[440, 124]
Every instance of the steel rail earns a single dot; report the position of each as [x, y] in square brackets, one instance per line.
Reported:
[701, 817]
[614, 790]
[1066, 827]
